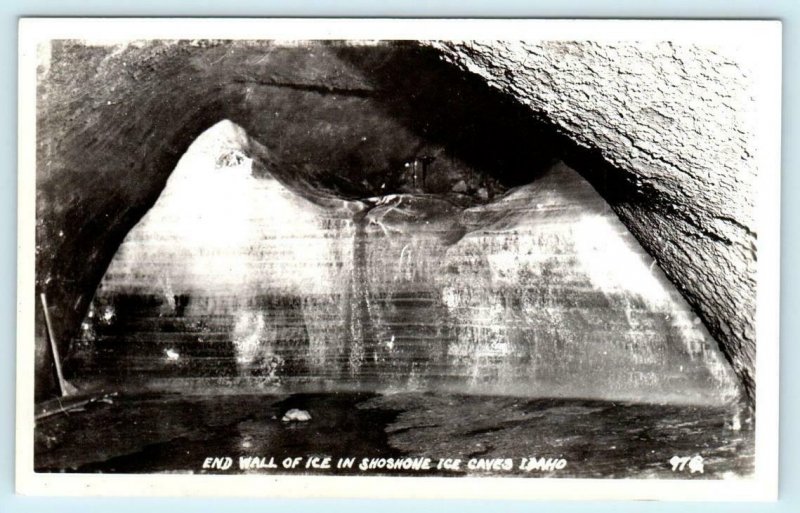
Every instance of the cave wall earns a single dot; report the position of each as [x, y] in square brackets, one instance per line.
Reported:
[673, 123]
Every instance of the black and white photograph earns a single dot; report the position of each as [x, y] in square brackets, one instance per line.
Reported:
[463, 258]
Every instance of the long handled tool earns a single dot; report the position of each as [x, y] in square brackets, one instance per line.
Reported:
[65, 387]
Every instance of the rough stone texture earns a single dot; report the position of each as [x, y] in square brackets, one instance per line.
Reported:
[674, 122]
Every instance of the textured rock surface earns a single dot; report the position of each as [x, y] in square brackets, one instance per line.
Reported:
[674, 122]
[235, 274]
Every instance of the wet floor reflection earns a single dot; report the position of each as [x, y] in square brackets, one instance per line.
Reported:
[174, 433]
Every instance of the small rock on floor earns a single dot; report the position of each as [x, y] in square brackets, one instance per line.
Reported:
[295, 415]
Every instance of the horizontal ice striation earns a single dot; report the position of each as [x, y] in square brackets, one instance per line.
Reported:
[237, 274]
[551, 295]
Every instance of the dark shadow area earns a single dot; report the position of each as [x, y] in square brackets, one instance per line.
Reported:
[458, 111]
[482, 126]
[479, 124]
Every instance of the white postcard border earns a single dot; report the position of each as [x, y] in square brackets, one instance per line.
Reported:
[764, 43]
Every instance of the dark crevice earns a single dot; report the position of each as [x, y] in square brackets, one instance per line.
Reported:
[458, 111]
[314, 88]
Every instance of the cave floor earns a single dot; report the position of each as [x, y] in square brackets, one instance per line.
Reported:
[157, 432]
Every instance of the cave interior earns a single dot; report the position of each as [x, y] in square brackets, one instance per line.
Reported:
[257, 218]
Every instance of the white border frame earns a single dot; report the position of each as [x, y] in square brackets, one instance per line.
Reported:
[763, 39]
